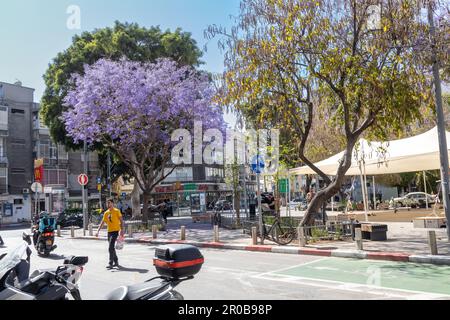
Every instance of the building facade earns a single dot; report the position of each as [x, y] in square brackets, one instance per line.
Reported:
[23, 139]
[16, 165]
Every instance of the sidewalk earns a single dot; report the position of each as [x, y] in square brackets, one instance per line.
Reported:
[404, 242]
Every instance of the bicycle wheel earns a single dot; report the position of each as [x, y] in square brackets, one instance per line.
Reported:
[282, 235]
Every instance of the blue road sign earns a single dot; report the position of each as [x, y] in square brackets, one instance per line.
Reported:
[124, 195]
[99, 180]
[257, 164]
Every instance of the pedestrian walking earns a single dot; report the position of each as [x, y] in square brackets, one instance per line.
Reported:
[114, 221]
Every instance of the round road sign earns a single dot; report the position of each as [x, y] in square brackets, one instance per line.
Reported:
[36, 187]
[83, 179]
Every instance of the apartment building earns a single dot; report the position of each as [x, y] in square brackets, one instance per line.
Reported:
[23, 139]
[16, 166]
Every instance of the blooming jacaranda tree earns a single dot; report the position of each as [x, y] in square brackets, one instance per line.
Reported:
[134, 108]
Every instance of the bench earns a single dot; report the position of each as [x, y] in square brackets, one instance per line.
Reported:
[374, 232]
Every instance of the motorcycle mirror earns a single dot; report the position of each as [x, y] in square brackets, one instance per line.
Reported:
[26, 238]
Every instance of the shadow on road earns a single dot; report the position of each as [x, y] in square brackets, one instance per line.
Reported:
[53, 257]
[125, 269]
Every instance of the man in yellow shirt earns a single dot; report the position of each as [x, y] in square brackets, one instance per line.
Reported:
[114, 221]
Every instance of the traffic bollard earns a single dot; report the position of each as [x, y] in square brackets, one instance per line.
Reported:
[91, 231]
[301, 237]
[130, 230]
[155, 231]
[254, 236]
[58, 231]
[72, 231]
[358, 239]
[216, 233]
[432, 243]
[183, 233]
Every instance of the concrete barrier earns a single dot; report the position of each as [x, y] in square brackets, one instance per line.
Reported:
[216, 234]
[432, 242]
[358, 239]
[183, 233]
[254, 236]
[301, 237]
[155, 231]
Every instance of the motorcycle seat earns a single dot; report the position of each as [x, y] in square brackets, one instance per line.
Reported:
[134, 292]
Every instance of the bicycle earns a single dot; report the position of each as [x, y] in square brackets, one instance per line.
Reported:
[278, 233]
[216, 218]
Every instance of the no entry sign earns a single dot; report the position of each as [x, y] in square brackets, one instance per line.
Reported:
[83, 179]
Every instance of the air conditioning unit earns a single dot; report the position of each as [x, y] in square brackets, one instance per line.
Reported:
[26, 191]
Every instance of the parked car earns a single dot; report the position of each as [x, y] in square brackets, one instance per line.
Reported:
[223, 205]
[67, 219]
[415, 200]
[298, 203]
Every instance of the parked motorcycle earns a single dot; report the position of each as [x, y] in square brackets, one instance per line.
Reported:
[175, 264]
[44, 235]
[17, 284]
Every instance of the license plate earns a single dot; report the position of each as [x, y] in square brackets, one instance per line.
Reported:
[49, 242]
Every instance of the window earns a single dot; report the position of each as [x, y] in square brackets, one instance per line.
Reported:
[53, 151]
[179, 174]
[3, 180]
[17, 111]
[17, 170]
[2, 148]
[214, 173]
[18, 201]
[62, 153]
[55, 176]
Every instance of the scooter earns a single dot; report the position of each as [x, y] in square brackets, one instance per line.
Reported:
[17, 284]
[44, 241]
[175, 264]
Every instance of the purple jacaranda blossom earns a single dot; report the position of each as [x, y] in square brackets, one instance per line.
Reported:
[134, 108]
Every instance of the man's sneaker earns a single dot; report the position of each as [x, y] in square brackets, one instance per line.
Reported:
[116, 264]
[109, 266]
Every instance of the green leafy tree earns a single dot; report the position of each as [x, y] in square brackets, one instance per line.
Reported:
[295, 59]
[127, 40]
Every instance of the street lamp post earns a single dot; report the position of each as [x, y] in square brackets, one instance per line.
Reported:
[440, 119]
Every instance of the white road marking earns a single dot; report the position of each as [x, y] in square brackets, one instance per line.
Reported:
[353, 287]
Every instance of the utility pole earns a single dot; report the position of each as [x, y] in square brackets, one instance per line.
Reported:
[109, 174]
[440, 118]
[84, 190]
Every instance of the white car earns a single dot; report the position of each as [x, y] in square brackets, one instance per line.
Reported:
[298, 204]
[415, 200]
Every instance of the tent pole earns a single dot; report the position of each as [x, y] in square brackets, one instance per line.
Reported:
[425, 187]
[374, 194]
[363, 190]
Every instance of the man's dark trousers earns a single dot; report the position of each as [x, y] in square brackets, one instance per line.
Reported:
[112, 238]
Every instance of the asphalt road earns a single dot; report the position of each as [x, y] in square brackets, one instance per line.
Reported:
[240, 275]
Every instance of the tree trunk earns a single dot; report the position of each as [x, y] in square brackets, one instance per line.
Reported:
[323, 195]
[237, 207]
[308, 184]
[145, 213]
[136, 200]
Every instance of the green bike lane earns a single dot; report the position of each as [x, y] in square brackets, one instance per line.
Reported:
[409, 280]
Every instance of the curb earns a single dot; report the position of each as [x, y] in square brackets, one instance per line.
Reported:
[338, 253]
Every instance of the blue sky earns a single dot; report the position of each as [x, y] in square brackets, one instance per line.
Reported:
[32, 32]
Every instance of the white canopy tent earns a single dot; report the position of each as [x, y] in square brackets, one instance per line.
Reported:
[419, 153]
